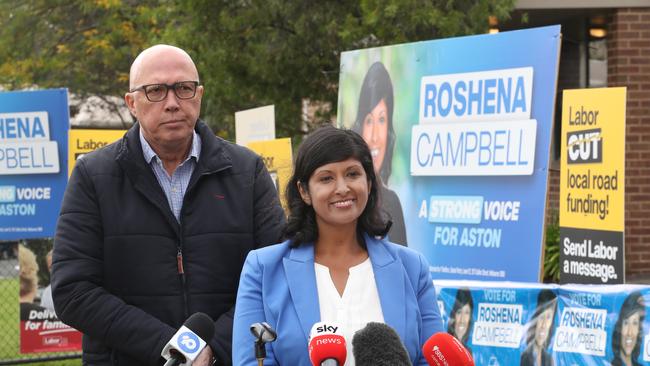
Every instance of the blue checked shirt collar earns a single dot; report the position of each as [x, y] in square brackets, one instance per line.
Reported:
[174, 186]
[149, 154]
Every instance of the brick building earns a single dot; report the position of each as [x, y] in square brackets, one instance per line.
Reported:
[605, 43]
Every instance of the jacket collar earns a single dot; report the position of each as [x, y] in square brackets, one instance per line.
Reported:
[213, 158]
[213, 155]
[389, 277]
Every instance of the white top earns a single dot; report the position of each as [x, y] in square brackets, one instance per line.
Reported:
[358, 306]
[46, 298]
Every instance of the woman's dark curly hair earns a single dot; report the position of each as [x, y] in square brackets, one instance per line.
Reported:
[326, 145]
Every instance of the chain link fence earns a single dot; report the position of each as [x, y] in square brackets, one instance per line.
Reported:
[11, 297]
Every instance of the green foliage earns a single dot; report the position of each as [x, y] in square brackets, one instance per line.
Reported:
[258, 52]
[249, 52]
[86, 46]
[552, 251]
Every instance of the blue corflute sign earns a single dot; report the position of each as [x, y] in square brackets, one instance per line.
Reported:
[33, 161]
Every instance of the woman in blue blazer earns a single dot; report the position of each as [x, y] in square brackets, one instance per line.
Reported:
[335, 227]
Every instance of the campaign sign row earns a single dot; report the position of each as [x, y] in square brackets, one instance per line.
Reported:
[507, 323]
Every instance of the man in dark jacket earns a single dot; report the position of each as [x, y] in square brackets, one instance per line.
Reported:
[156, 226]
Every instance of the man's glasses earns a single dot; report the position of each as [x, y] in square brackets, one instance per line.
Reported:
[158, 92]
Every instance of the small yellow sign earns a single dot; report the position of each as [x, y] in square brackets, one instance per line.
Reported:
[84, 141]
[592, 175]
[278, 160]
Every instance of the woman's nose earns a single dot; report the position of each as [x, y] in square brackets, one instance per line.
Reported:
[373, 132]
[342, 186]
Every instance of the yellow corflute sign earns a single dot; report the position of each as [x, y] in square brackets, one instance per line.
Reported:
[84, 141]
[592, 186]
[592, 176]
[277, 158]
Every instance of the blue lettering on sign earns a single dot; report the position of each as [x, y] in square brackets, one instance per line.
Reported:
[487, 147]
[21, 128]
[490, 96]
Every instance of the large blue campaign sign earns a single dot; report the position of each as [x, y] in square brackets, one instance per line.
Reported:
[33, 161]
[460, 133]
[521, 324]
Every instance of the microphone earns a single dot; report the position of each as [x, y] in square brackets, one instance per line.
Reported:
[263, 334]
[189, 341]
[443, 349]
[379, 345]
[327, 345]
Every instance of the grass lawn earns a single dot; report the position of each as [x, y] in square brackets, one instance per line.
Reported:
[9, 326]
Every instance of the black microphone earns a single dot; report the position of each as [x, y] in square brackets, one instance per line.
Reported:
[189, 341]
[379, 345]
[263, 334]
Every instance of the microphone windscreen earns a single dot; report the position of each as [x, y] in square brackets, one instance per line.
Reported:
[379, 345]
[326, 343]
[202, 325]
[443, 349]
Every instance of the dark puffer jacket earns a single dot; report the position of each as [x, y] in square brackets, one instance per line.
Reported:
[115, 272]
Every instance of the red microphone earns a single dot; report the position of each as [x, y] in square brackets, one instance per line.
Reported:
[327, 345]
[442, 349]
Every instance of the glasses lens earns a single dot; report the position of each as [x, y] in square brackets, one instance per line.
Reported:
[185, 89]
[156, 92]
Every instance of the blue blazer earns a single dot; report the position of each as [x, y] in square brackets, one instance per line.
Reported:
[278, 286]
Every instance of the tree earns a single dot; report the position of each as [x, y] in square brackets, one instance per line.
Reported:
[86, 46]
[249, 52]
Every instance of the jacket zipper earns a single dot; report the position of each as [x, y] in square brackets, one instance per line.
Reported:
[179, 254]
[181, 275]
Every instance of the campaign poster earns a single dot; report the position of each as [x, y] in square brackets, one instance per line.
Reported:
[545, 325]
[257, 124]
[602, 325]
[33, 164]
[459, 130]
[83, 141]
[277, 157]
[40, 328]
[592, 186]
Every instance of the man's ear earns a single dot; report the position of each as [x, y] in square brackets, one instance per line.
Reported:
[130, 103]
[304, 194]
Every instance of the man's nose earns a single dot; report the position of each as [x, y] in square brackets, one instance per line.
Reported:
[171, 101]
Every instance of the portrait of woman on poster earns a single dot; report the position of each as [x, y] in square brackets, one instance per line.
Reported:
[628, 331]
[460, 317]
[374, 123]
[336, 265]
[541, 330]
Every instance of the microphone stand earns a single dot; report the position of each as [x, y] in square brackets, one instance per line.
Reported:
[263, 334]
[260, 351]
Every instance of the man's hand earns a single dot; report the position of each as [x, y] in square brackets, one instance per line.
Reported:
[205, 357]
